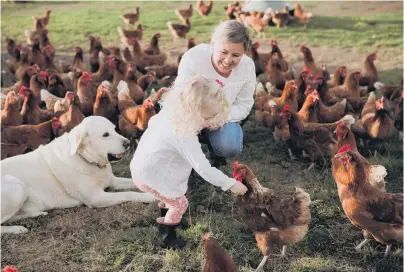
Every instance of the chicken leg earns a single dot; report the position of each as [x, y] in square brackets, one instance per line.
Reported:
[284, 251]
[260, 267]
[388, 249]
[364, 242]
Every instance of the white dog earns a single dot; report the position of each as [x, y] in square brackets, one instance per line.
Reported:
[73, 169]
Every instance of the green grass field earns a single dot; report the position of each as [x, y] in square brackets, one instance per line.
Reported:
[123, 237]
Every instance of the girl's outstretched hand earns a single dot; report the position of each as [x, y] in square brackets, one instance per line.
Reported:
[238, 189]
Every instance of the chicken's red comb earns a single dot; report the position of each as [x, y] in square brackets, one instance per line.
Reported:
[23, 88]
[85, 74]
[10, 268]
[340, 125]
[274, 42]
[257, 44]
[373, 54]
[43, 73]
[308, 88]
[307, 70]
[345, 148]
[285, 108]
[358, 71]
[206, 236]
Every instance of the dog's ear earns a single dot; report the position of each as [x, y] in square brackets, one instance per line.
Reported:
[76, 137]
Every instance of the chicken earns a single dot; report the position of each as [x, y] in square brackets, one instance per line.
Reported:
[203, 9]
[389, 91]
[135, 92]
[350, 88]
[153, 48]
[338, 78]
[369, 76]
[329, 114]
[78, 61]
[56, 85]
[184, 14]
[43, 21]
[104, 73]
[84, 94]
[133, 121]
[49, 99]
[31, 113]
[345, 136]
[142, 59]
[13, 49]
[24, 64]
[276, 218]
[314, 138]
[45, 43]
[179, 30]
[145, 81]
[118, 67]
[10, 115]
[301, 86]
[378, 214]
[308, 112]
[124, 99]
[49, 52]
[275, 76]
[36, 55]
[302, 17]
[131, 18]
[127, 55]
[289, 96]
[309, 61]
[16, 140]
[260, 63]
[128, 36]
[95, 49]
[375, 121]
[24, 81]
[72, 117]
[37, 83]
[103, 105]
[257, 23]
[164, 70]
[398, 116]
[275, 49]
[216, 257]
[280, 18]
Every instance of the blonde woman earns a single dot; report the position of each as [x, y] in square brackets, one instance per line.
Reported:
[224, 60]
[169, 149]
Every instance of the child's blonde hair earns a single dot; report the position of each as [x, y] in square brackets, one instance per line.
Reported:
[196, 104]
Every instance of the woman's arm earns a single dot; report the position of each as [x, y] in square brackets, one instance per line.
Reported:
[191, 151]
[244, 100]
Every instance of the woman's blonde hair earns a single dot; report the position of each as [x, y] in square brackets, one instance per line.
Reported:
[196, 104]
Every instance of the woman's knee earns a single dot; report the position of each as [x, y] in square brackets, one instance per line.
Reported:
[228, 141]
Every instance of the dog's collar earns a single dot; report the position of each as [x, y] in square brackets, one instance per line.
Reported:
[93, 163]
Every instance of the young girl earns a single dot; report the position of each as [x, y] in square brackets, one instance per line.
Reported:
[169, 149]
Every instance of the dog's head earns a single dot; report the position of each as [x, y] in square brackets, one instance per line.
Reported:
[97, 141]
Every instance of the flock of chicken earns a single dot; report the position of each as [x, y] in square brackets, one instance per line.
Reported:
[315, 114]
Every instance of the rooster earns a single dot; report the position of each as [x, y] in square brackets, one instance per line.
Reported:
[378, 214]
[276, 218]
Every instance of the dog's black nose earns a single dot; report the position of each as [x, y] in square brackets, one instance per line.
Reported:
[126, 143]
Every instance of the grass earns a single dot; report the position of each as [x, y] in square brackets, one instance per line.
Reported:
[71, 22]
[123, 237]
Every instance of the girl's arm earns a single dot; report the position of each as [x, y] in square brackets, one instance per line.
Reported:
[191, 151]
[244, 100]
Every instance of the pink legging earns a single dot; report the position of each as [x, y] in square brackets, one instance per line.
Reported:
[176, 206]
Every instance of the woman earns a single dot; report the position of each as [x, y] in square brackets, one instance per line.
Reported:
[224, 61]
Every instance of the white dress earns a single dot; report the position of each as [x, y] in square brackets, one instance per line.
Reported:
[163, 160]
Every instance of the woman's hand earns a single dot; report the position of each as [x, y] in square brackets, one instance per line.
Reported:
[238, 189]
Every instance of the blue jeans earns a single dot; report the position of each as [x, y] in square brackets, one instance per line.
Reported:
[225, 142]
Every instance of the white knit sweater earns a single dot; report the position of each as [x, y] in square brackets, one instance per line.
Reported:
[163, 160]
[239, 86]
